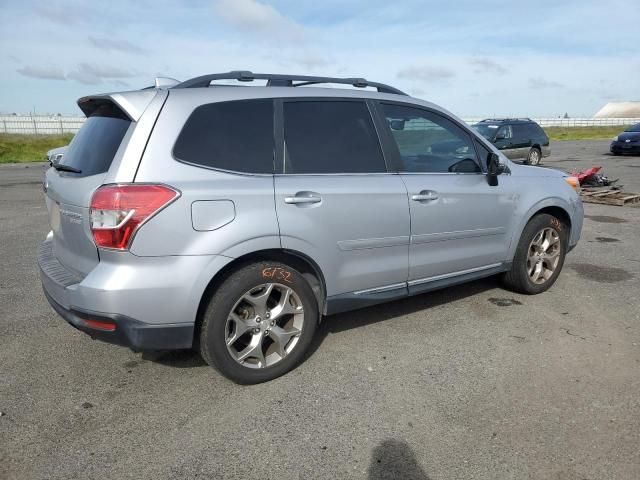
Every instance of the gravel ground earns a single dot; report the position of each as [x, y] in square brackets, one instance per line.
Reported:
[469, 382]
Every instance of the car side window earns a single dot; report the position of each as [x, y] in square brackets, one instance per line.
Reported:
[330, 137]
[520, 132]
[236, 136]
[430, 143]
[505, 132]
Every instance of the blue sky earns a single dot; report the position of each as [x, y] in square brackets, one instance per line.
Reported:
[541, 58]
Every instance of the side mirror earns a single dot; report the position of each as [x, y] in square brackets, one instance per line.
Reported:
[397, 124]
[501, 136]
[493, 169]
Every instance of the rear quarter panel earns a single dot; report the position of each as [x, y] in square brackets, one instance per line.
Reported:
[254, 225]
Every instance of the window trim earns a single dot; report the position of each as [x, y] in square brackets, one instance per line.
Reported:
[280, 143]
[394, 152]
[223, 170]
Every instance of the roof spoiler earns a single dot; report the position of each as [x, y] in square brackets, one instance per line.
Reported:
[133, 103]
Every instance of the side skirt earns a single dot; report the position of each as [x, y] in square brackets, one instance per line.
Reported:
[354, 300]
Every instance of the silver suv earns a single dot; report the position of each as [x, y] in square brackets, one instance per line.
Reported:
[230, 219]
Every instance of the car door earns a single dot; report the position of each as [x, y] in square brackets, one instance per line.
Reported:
[521, 140]
[459, 223]
[336, 203]
[504, 142]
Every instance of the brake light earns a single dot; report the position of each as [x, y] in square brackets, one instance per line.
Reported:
[118, 211]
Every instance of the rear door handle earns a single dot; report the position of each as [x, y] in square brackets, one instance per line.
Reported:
[303, 198]
[425, 196]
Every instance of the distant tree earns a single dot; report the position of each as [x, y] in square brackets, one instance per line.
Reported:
[566, 115]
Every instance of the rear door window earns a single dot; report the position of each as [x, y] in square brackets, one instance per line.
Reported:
[92, 149]
[235, 136]
[520, 133]
[330, 137]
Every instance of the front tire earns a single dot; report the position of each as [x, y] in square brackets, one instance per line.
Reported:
[259, 323]
[539, 256]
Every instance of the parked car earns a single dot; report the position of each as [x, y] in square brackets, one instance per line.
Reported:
[627, 142]
[232, 219]
[517, 138]
[55, 154]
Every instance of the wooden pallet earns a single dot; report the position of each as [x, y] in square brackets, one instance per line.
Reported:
[608, 196]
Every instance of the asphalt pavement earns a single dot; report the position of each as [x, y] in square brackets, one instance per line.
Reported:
[469, 382]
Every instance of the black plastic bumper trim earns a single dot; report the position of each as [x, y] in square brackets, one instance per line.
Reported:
[129, 332]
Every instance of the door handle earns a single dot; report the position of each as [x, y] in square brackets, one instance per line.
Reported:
[425, 196]
[303, 198]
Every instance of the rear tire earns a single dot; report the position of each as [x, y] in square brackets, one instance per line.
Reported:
[534, 157]
[259, 323]
[539, 256]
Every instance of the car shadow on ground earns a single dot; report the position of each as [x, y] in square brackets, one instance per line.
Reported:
[335, 324]
[394, 459]
[398, 308]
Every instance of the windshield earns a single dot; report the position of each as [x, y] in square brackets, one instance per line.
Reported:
[634, 128]
[486, 130]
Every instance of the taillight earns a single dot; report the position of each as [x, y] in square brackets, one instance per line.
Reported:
[118, 211]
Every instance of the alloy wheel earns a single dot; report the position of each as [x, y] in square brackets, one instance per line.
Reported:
[534, 157]
[544, 255]
[264, 325]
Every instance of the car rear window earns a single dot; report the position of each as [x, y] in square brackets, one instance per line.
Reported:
[92, 149]
[235, 136]
[330, 137]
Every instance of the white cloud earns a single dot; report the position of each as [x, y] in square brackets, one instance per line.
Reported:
[111, 44]
[45, 73]
[486, 65]
[90, 74]
[539, 83]
[254, 17]
[426, 73]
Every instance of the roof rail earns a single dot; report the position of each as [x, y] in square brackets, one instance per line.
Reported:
[522, 119]
[278, 80]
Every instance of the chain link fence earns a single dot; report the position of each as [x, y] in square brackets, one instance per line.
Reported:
[55, 125]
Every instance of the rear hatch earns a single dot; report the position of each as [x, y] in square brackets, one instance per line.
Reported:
[80, 171]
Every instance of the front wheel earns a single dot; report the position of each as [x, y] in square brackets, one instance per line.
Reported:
[259, 323]
[539, 256]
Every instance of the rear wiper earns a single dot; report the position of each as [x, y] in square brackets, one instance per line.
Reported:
[65, 168]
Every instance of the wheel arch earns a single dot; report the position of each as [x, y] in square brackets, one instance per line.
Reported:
[301, 262]
[550, 206]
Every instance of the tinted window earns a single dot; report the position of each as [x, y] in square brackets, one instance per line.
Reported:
[521, 132]
[430, 143]
[487, 130]
[330, 137]
[235, 136]
[94, 146]
[535, 131]
[506, 132]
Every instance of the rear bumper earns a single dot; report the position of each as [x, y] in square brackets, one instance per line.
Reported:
[152, 301]
[127, 332]
[546, 151]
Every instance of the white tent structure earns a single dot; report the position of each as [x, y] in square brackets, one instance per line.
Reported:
[619, 110]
